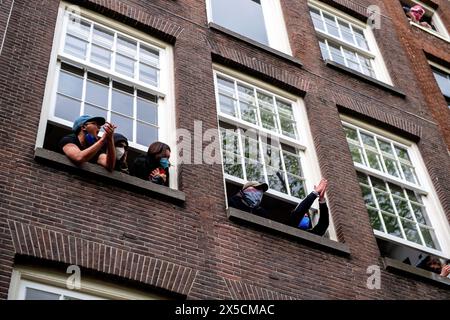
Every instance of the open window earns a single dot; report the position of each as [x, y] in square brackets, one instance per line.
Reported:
[399, 196]
[103, 68]
[258, 20]
[430, 20]
[265, 137]
[347, 41]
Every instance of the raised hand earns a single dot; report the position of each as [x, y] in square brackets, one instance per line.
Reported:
[321, 188]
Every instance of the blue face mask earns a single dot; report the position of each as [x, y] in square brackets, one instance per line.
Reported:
[305, 222]
[252, 197]
[164, 162]
[90, 139]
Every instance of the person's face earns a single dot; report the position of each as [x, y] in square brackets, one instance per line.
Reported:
[92, 128]
[166, 154]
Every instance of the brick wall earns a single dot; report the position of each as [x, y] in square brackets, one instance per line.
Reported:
[193, 249]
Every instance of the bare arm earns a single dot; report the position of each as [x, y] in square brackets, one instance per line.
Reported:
[78, 156]
[108, 160]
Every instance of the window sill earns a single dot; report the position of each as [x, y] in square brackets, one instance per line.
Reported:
[96, 171]
[403, 268]
[312, 239]
[365, 78]
[434, 33]
[254, 43]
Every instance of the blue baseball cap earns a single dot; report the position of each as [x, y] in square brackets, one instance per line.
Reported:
[86, 118]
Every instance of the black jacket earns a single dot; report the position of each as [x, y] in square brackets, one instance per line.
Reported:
[143, 166]
[303, 207]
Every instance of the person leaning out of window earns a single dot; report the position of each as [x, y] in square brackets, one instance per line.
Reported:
[249, 198]
[415, 14]
[121, 146]
[434, 264]
[153, 166]
[84, 145]
[300, 218]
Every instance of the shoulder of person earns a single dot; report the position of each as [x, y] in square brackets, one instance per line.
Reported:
[70, 138]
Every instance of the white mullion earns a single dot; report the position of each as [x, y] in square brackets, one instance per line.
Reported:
[330, 56]
[137, 67]
[114, 54]
[383, 165]
[258, 110]
[363, 150]
[283, 166]
[83, 92]
[134, 120]
[241, 151]
[110, 90]
[343, 55]
[339, 28]
[64, 33]
[399, 219]
[374, 196]
[263, 159]
[89, 44]
[402, 175]
[323, 20]
[236, 99]
[353, 35]
[359, 62]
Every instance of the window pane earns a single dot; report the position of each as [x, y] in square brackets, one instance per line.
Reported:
[351, 133]
[79, 28]
[293, 164]
[287, 120]
[75, 47]
[384, 201]
[336, 53]
[360, 38]
[148, 74]
[276, 179]
[374, 219]
[356, 153]
[385, 146]
[122, 102]
[230, 141]
[227, 105]
[367, 195]
[411, 232]
[35, 294]
[146, 134]
[149, 55]
[97, 94]
[241, 16]
[254, 170]
[317, 19]
[324, 50]
[95, 111]
[124, 125]
[267, 111]
[402, 208]
[443, 81]
[409, 173]
[368, 140]
[125, 65]
[392, 225]
[103, 37]
[331, 25]
[419, 212]
[430, 238]
[232, 165]
[126, 46]
[402, 153]
[374, 160]
[70, 84]
[362, 178]
[67, 108]
[101, 56]
[297, 186]
[377, 183]
[225, 86]
[272, 156]
[251, 148]
[147, 111]
[391, 166]
[347, 34]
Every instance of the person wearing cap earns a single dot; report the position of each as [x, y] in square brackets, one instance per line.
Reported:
[249, 198]
[299, 217]
[84, 145]
[121, 146]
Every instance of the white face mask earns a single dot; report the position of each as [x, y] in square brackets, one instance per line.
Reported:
[120, 152]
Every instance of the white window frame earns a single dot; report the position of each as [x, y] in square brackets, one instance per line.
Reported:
[430, 200]
[166, 91]
[441, 31]
[444, 70]
[52, 281]
[309, 160]
[274, 22]
[378, 65]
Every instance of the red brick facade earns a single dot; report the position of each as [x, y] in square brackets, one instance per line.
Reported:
[193, 249]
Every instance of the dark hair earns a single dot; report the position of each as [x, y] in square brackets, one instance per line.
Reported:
[428, 262]
[157, 150]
